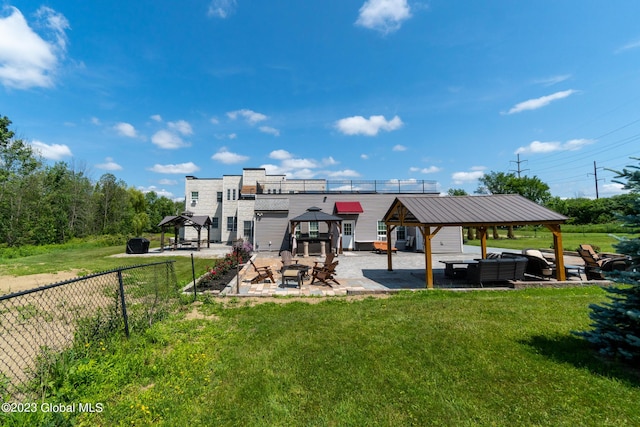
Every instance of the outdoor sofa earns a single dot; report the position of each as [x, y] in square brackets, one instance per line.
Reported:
[497, 270]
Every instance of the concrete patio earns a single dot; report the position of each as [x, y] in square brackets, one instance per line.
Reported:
[366, 273]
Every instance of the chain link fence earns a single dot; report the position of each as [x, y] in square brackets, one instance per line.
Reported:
[37, 324]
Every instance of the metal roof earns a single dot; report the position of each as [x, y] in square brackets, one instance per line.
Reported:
[495, 209]
[182, 220]
[348, 208]
[268, 204]
[315, 214]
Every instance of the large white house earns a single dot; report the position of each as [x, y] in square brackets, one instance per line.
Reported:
[258, 207]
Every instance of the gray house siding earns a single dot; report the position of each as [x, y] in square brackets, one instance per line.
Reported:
[274, 227]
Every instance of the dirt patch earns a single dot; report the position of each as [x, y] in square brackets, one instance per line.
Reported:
[10, 284]
[195, 313]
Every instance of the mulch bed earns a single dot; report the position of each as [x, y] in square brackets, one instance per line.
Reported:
[217, 285]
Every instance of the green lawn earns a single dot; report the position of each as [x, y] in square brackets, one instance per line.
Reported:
[427, 358]
[542, 238]
[90, 258]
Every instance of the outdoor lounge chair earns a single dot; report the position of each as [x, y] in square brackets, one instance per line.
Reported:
[538, 266]
[325, 274]
[327, 261]
[595, 264]
[263, 273]
[287, 260]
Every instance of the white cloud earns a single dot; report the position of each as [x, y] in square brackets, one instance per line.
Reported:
[109, 165]
[250, 116]
[181, 126]
[227, 157]
[95, 121]
[26, 59]
[269, 130]
[537, 147]
[543, 101]
[51, 151]
[166, 181]
[159, 192]
[181, 168]
[384, 16]
[346, 173]
[628, 46]
[329, 161]
[550, 81]
[465, 177]
[280, 155]
[430, 169]
[290, 164]
[364, 156]
[126, 129]
[156, 118]
[358, 125]
[221, 8]
[214, 120]
[399, 148]
[168, 140]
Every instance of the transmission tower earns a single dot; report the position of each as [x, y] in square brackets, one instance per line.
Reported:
[518, 162]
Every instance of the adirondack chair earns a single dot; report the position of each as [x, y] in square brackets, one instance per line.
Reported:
[327, 261]
[287, 260]
[324, 274]
[263, 274]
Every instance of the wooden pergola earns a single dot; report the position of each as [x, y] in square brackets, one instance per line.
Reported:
[185, 220]
[430, 214]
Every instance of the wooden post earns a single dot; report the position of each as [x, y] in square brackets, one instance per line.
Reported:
[389, 262]
[427, 256]
[561, 274]
[483, 241]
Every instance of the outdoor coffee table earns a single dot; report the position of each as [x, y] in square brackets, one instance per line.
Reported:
[451, 272]
[295, 272]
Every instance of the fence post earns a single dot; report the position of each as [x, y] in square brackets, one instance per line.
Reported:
[193, 273]
[124, 304]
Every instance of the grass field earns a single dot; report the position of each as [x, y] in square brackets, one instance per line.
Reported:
[427, 358]
[541, 238]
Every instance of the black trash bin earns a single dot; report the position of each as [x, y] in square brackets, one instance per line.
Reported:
[138, 245]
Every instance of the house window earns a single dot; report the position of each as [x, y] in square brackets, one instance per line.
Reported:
[214, 222]
[296, 231]
[219, 196]
[382, 231]
[232, 223]
[401, 232]
[228, 194]
[347, 229]
[194, 197]
[313, 229]
[247, 230]
[234, 194]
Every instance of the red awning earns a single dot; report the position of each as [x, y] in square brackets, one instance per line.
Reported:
[348, 208]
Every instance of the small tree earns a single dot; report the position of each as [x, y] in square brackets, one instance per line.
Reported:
[616, 324]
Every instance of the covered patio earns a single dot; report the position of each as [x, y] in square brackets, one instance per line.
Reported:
[429, 215]
[333, 236]
[185, 220]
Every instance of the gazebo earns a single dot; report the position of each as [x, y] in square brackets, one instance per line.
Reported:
[186, 219]
[315, 214]
[430, 214]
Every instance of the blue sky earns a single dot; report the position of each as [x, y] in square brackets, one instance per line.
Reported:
[438, 90]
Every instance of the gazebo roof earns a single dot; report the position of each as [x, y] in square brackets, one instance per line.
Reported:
[315, 214]
[485, 210]
[182, 220]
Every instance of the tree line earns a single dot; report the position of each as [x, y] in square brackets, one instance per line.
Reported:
[43, 204]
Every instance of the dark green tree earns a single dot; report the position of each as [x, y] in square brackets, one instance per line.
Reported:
[456, 192]
[616, 332]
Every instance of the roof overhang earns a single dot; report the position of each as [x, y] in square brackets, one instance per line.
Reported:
[342, 208]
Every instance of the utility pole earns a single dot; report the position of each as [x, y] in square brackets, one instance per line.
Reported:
[595, 175]
[518, 162]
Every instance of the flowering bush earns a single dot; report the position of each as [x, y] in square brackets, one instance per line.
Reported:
[239, 255]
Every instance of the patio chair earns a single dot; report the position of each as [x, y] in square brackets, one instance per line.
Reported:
[327, 261]
[263, 274]
[538, 266]
[595, 264]
[287, 260]
[325, 274]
